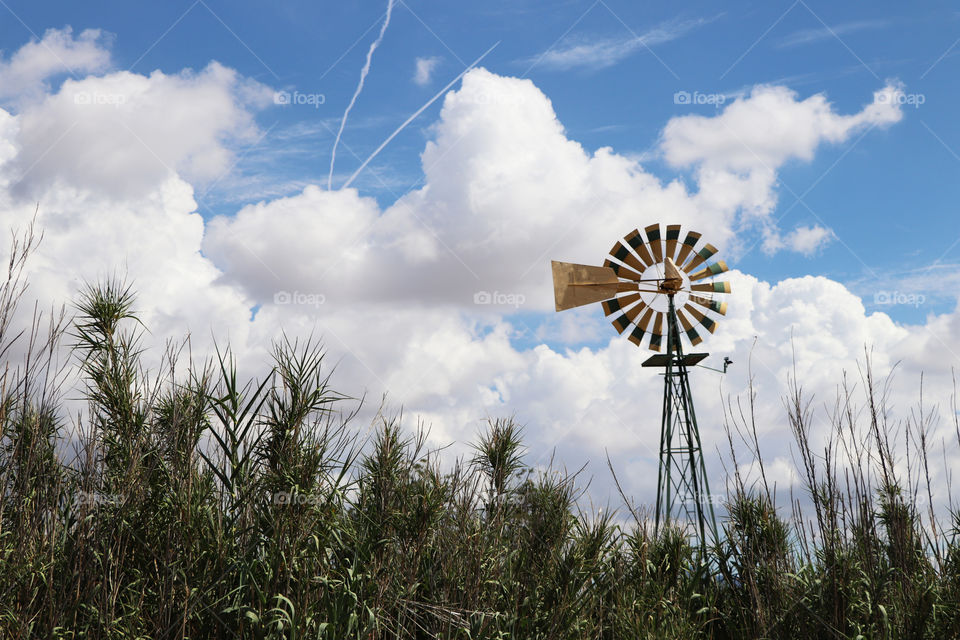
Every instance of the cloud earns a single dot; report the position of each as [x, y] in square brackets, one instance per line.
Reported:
[23, 74]
[317, 241]
[124, 132]
[809, 36]
[599, 53]
[807, 240]
[424, 70]
[770, 126]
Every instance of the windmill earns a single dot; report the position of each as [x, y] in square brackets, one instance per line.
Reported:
[659, 291]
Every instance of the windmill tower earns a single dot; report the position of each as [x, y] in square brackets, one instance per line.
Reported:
[659, 290]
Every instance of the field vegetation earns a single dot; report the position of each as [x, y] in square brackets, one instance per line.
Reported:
[187, 503]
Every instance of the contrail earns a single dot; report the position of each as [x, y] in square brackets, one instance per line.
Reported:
[415, 114]
[363, 77]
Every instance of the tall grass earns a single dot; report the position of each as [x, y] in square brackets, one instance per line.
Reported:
[187, 503]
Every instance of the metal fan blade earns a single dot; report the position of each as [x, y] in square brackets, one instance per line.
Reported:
[656, 336]
[712, 287]
[644, 321]
[636, 336]
[626, 256]
[688, 245]
[635, 240]
[673, 236]
[640, 326]
[575, 285]
[622, 271]
[701, 317]
[653, 239]
[700, 257]
[616, 304]
[688, 328]
[714, 269]
[628, 317]
[713, 305]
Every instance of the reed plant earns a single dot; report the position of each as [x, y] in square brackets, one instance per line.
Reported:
[187, 503]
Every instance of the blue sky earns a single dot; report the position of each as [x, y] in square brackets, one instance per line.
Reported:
[888, 196]
[614, 74]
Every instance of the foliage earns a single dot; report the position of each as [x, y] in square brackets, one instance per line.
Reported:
[192, 505]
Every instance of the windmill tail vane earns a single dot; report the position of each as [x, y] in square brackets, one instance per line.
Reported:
[636, 277]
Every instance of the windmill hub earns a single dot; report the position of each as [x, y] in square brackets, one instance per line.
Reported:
[656, 297]
[672, 279]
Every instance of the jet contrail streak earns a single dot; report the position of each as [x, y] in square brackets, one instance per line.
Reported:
[415, 114]
[363, 77]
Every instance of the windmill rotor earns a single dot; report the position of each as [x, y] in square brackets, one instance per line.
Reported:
[641, 271]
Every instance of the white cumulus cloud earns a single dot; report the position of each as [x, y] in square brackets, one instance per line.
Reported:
[806, 240]
[770, 126]
[124, 132]
[23, 74]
